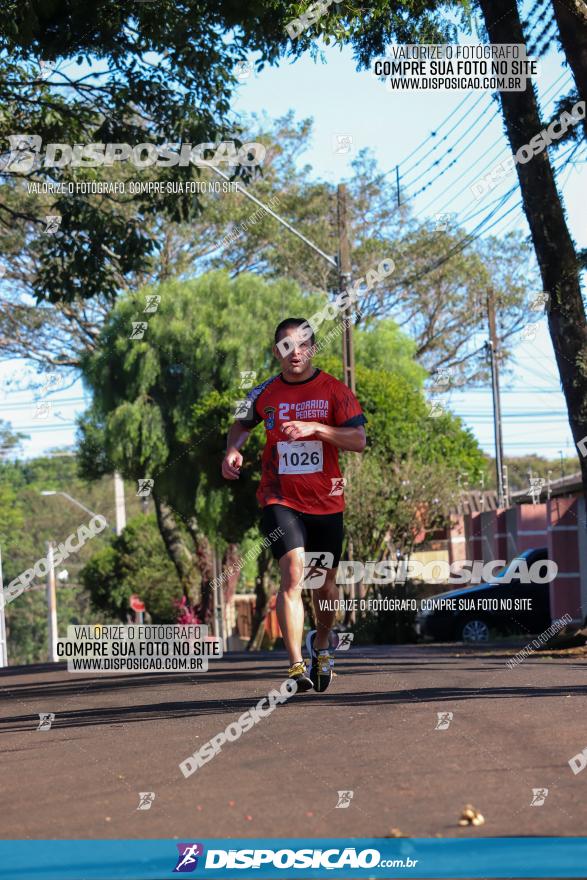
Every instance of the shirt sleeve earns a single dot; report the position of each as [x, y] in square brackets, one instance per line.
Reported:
[247, 411]
[250, 418]
[347, 410]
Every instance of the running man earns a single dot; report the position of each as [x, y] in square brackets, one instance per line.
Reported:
[309, 415]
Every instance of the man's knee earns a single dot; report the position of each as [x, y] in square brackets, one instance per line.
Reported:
[329, 588]
[292, 571]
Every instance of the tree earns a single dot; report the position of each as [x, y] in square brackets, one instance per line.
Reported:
[400, 424]
[439, 300]
[438, 290]
[163, 403]
[134, 562]
[558, 261]
[408, 479]
[391, 503]
[131, 74]
[27, 521]
[571, 18]
[555, 250]
[520, 466]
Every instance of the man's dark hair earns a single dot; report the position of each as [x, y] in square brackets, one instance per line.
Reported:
[292, 322]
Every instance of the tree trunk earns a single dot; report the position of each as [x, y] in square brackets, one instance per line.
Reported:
[178, 552]
[229, 560]
[571, 18]
[261, 595]
[552, 241]
[205, 563]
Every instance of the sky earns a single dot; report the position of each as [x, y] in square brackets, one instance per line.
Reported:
[352, 110]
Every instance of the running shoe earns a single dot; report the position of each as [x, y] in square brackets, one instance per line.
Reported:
[299, 673]
[321, 664]
[333, 641]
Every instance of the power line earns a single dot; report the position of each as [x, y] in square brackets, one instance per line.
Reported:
[467, 240]
[552, 87]
[515, 391]
[24, 403]
[491, 163]
[522, 416]
[53, 427]
[439, 173]
[433, 135]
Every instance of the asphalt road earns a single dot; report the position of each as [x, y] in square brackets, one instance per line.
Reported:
[372, 733]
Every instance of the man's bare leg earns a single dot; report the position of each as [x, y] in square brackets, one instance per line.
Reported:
[290, 608]
[324, 617]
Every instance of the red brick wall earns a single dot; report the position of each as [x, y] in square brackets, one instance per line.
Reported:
[563, 547]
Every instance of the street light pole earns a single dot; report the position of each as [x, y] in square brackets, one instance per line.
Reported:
[51, 594]
[120, 510]
[492, 349]
[496, 423]
[279, 219]
[69, 498]
[51, 605]
[218, 615]
[3, 642]
[344, 279]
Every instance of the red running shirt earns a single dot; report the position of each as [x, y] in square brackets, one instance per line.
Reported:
[302, 474]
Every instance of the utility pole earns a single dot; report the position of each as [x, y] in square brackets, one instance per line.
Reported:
[506, 486]
[344, 277]
[491, 348]
[348, 353]
[51, 605]
[119, 507]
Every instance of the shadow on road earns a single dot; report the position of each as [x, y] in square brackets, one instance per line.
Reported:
[262, 677]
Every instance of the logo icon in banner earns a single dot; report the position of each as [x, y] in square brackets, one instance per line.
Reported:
[187, 859]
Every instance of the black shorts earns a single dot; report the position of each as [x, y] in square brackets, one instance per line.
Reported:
[316, 533]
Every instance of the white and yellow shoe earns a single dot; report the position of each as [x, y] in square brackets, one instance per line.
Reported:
[321, 664]
[299, 673]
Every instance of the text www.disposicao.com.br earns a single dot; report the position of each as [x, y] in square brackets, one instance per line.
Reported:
[136, 664]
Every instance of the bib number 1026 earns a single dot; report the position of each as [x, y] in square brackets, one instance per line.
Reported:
[301, 457]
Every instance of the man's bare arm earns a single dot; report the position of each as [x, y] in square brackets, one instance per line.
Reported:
[232, 461]
[349, 439]
[237, 436]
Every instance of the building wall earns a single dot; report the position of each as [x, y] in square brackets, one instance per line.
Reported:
[563, 547]
[457, 539]
[475, 537]
[503, 534]
[488, 535]
[531, 526]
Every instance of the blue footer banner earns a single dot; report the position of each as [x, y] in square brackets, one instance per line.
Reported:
[550, 857]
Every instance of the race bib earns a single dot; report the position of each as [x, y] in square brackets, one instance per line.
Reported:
[300, 457]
